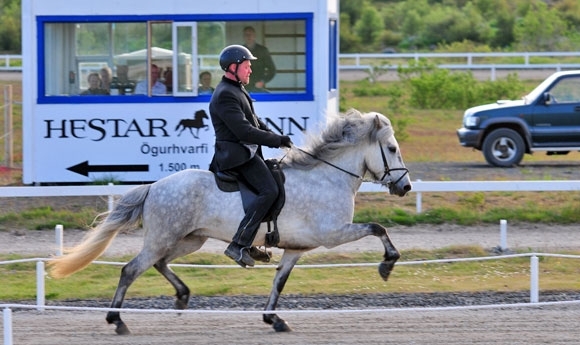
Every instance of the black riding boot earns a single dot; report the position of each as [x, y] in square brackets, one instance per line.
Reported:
[240, 248]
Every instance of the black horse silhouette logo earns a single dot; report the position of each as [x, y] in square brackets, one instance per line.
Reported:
[196, 122]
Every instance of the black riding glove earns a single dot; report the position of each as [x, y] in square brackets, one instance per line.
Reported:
[285, 141]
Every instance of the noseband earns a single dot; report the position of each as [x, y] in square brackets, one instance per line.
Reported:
[387, 171]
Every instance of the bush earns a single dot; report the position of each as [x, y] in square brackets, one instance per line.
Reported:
[429, 87]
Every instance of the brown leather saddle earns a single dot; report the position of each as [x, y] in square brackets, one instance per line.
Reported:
[228, 181]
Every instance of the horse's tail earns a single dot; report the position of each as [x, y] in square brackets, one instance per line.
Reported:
[126, 215]
[179, 125]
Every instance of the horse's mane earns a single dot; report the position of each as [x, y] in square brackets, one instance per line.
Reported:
[342, 130]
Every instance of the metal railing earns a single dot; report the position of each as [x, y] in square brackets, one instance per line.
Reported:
[11, 62]
[365, 62]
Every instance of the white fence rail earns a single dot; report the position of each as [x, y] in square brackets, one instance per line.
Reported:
[365, 62]
[472, 60]
[419, 187]
[11, 62]
[40, 290]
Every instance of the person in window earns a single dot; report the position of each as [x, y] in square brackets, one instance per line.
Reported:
[263, 70]
[205, 84]
[157, 87]
[94, 85]
[168, 79]
[239, 135]
[106, 77]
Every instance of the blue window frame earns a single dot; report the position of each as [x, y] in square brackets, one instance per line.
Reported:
[333, 55]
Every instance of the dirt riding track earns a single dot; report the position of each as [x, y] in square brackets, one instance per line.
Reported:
[526, 325]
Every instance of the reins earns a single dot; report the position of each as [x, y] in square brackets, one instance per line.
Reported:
[387, 171]
[327, 162]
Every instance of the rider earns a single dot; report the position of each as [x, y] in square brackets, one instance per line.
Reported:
[239, 136]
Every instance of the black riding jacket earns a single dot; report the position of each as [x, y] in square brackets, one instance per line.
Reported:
[235, 124]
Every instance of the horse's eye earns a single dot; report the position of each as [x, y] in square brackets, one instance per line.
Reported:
[393, 149]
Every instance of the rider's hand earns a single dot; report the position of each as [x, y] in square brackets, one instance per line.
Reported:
[285, 141]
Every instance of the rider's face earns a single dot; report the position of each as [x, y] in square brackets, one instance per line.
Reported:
[244, 71]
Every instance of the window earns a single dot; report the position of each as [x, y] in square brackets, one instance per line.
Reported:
[566, 90]
[160, 59]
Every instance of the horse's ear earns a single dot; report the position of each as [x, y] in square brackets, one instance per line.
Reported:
[378, 123]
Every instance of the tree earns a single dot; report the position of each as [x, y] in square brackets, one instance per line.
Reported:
[369, 27]
[10, 35]
[349, 42]
[541, 29]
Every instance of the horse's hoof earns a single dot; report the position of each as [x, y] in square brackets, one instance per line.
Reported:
[385, 269]
[181, 303]
[122, 329]
[281, 326]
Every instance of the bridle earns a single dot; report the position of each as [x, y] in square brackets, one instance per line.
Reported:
[387, 170]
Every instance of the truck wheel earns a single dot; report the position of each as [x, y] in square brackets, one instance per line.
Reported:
[503, 148]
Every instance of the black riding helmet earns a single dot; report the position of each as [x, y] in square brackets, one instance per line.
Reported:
[235, 54]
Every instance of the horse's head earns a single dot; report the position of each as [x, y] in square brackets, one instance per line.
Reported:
[383, 157]
[201, 114]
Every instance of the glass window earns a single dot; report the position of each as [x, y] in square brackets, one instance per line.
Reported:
[169, 58]
[566, 91]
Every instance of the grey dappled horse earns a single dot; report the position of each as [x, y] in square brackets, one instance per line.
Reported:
[180, 212]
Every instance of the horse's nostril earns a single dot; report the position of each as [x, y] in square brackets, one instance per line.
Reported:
[407, 187]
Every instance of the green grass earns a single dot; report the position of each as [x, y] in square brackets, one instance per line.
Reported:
[46, 217]
[437, 208]
[100, 281]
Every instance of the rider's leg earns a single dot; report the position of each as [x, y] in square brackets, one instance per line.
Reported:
[258, 176]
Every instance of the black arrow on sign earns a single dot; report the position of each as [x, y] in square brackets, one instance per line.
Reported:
[84, 168]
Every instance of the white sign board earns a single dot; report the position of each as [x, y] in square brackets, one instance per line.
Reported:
[77, 133]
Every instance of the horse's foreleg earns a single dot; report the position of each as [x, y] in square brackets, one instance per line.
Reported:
[283, 271]
[182, 292]
[354, 232]
[129, 273]
[391, 253]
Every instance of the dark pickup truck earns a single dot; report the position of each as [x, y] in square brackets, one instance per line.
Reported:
[547, 119]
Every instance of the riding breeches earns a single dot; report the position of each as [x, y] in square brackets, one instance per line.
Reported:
[257, 175]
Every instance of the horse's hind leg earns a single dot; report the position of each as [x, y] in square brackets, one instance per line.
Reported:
[129, 274]
[187, 245]
[182, 292]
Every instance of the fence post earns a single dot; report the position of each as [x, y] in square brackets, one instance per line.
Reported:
[7, 317]
[58, 234]
[111, 200]
[40, 285]
[8, 145]
[534, 279]
[419, 200]
[503, 235]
